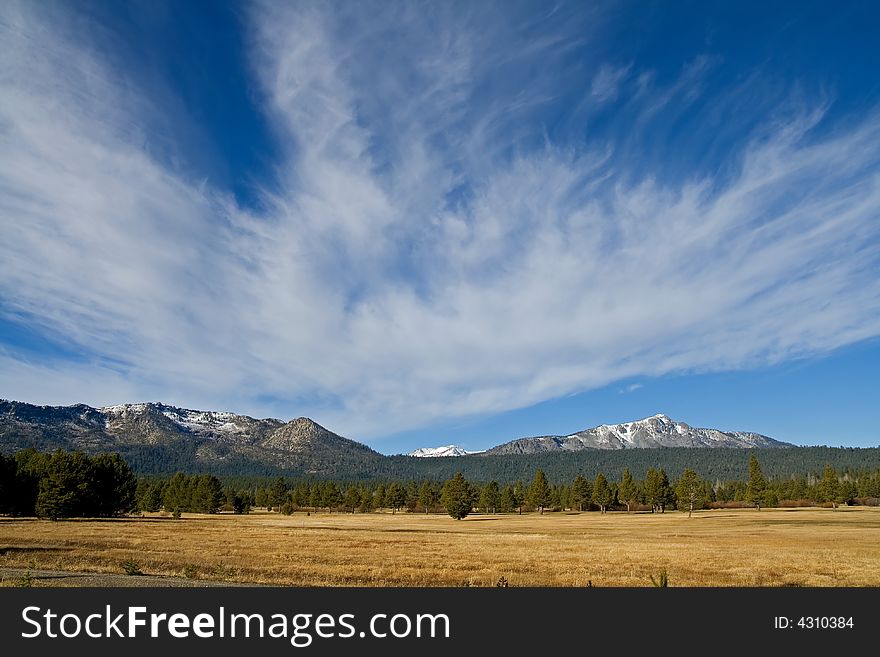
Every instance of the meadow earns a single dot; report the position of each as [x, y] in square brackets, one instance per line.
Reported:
[729, 547]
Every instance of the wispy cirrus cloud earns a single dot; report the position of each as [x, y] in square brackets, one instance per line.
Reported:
[426, 248]
[606, 83]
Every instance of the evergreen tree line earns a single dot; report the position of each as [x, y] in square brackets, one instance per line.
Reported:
[71, 484]
[66, 485]
[655, 492]
[202, 493]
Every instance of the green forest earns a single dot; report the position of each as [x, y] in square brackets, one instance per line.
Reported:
[715, 463]
[66, 485]
[72, 484]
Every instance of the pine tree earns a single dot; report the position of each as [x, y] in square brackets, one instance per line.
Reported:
[112, 486]
[241, 502]
[301, 495]
[207, 494]
[539, 491]
[352, 498]
[602, 493]
[176, 497]
[657, 489]
[564, 496]
[581, 492]
[277, 493]
[664, 490]
[847, 490]
[555, 497]
[149, 495]
[261, 498]
[54, 499]
[628, 491]
[366, 500]
[507, 500]
[58, 495]
[489, 497]
[8, 471]
[457, 497]
[651, 488]
[829, 486]
[379, 497]
[331, 496]
[757, 484]
[142, 493]
[30, 465]
[395, 496]
[411, 491]
[519, 496]
[691, 491]
[427, 496]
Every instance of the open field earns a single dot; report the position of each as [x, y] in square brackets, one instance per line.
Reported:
[773, 547]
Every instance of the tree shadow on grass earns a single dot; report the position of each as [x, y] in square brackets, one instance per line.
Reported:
[11, 549]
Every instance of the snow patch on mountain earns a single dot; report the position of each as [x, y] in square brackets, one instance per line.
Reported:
[656, 431]
[446, 450]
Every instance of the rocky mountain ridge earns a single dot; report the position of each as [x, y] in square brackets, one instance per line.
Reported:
[157, 437]
[655, 431]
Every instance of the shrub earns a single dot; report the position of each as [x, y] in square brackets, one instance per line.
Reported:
[26, 581]
[131, 567]
[662, 580]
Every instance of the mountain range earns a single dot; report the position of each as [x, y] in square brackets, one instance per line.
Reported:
[159, 437]
[655, 431]
[158, 434]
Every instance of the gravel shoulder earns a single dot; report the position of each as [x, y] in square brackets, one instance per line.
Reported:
[60, 578]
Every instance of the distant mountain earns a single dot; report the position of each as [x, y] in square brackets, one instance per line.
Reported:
[656, 431]
[447, 450]
[158, 437]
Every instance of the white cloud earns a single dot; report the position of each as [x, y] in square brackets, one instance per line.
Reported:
[371, 294]
[606, 83]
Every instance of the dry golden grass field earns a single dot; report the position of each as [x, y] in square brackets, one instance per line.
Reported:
[771, 547]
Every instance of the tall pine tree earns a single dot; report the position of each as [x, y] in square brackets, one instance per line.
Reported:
[581, 492]
[539, 491]
[602, 493]
[829, 486]
[457, 497]
[427, 496]
[690, 490]
[757, 483]
[628, 492]
[489, 496]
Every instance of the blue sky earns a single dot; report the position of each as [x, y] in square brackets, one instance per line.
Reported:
[421, 223]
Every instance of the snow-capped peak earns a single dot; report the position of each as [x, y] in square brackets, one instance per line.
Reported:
[446, 450]
[118, 409]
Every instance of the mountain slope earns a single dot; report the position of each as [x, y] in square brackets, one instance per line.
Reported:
[167, 437]
[656, 431]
